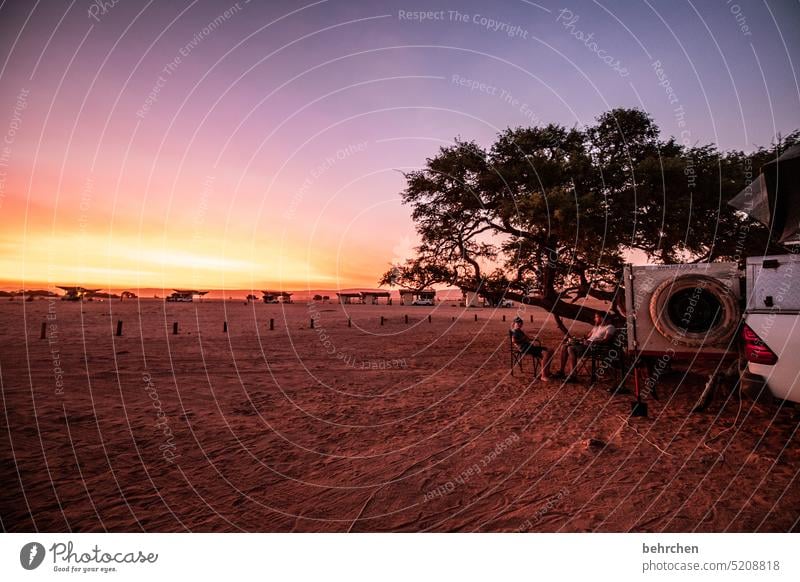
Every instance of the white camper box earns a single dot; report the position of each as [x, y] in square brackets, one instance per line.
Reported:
[682, 310]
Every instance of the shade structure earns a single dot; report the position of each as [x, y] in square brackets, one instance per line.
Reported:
[773, 198]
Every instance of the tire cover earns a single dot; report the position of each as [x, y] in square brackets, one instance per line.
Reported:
[720, 333]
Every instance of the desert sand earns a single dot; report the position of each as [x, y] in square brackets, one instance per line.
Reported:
[412, 426]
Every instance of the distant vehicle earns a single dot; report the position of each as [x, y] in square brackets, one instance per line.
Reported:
[422, 302]
[506, 303]
[273, 297]
[77, 293]
[178, 298]
[185, 295]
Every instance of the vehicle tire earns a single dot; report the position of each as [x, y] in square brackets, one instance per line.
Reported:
[694, 311]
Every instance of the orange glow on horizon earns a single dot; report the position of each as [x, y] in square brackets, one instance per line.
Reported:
[130, 261]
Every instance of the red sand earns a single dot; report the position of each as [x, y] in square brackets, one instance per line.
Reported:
[414, 427]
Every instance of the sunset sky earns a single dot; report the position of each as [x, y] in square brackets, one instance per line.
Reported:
[248, 145]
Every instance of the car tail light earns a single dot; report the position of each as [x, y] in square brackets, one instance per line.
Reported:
[755, 350]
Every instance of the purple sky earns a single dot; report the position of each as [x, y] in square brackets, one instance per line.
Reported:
[238, 145]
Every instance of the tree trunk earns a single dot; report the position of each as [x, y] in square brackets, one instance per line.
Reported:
[560, 324]
[563, 309]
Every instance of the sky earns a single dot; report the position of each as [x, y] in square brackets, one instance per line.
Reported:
[250, 145]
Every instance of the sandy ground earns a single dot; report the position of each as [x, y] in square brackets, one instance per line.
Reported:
[400, 427]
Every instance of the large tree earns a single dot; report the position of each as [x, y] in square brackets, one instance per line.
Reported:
[550, 214]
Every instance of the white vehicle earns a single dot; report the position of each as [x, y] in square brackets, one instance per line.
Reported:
[422, 302]
[770, 334]
[771, 331]
[506, 303]
[175, 298]
[185, 295]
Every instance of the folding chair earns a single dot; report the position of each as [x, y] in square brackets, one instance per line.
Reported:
[518, 355]
[603, 356]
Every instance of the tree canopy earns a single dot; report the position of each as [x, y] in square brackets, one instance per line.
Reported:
[548, 215]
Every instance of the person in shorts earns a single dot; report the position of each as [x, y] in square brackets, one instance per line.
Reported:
[527, 347]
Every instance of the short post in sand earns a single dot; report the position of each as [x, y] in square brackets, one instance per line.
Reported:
[638, 408]
[406, 316]
[476, 317]
[119, 327]
[311, 324]
[349, 322]
[43, 334]
[429, 318]
[271, 324]
[504, 318]
[381, 320]
[175, 328]
[224, 327]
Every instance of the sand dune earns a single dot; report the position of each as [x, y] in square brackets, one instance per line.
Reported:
[400, 427]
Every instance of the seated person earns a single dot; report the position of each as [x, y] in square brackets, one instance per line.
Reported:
[601, 333]
[525, 345]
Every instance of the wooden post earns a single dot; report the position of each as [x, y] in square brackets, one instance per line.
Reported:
[44, 330]
[476, 317]
[119, 327]
[349, 322]
[504, 318]
[175, 328]
[224, 327]
[271, 324]
[311, 325]
[381, 320]
[454, 318]
[406, 318]
[531, 318]
[429, 318]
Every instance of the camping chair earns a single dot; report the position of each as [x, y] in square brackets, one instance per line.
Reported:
[610, 354]
[518, 355]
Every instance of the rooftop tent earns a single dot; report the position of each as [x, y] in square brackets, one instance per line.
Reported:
[773, 198]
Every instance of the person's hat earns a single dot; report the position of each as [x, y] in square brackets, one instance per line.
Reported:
[518, 319]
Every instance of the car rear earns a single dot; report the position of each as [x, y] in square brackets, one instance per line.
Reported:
[771, 331]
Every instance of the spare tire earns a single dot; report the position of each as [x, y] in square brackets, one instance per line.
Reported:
[694, 310]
